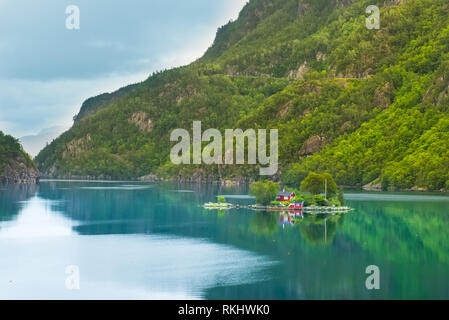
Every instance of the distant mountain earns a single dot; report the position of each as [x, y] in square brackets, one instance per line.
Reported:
[15, 165]
[369, 106]
[35, 143]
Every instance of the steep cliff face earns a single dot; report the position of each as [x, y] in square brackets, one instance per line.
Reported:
[18, 172]
[16, 167]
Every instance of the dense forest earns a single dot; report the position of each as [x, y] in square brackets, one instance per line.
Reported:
[367, 106]
[15, 164]
[10, 149]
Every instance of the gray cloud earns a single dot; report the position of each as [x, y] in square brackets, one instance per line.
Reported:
[47, 71]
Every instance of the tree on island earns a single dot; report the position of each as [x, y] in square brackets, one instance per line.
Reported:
[316, 183]
[264, 191]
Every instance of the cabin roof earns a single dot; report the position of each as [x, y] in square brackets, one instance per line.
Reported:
[285, 193]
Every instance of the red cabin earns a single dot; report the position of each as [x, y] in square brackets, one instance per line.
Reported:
[285, 195]
[296, 205]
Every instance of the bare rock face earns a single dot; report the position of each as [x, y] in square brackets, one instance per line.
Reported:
[320, 56]
[382, 95]
[198, 176]
[285, 109]
[150, 178]
[344, 3]
[299, 74]
[372, 186]
[77, 146]
[312, 145]
[17, 172]
[394, 2]
[142, 121]
[346, 126]
[302, 8]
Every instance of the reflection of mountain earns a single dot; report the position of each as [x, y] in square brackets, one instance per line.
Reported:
[10, 197]
[36, 247]
[162, 211]
[421, 223]
[322, 258]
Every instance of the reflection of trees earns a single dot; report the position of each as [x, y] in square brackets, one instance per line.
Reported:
[221, 213]
[10, 196]
[320, 230]
[264, 223]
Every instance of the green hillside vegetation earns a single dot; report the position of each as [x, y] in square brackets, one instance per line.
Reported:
[264, 191]
[10, 149]
[366, 106]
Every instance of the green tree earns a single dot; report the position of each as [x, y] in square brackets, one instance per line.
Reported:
[341, 197]
[320, 200]
[316, 183]
[264, 191]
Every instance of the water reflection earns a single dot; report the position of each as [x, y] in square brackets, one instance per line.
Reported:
[320, 230]
[317, 229]
[37, 246]
[36, 220]
[10, 196]
[290, 218]
[135, 240]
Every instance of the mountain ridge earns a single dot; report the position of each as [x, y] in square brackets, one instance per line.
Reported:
[335, 87]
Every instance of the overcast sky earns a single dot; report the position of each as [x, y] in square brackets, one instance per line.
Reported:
[47, 71]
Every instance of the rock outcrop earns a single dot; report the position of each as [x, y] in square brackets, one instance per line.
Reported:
[18, 172]
[373, 186]
[312, 145]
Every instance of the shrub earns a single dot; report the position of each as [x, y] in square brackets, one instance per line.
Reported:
[315, 183]
[264, 191]
[320, 200]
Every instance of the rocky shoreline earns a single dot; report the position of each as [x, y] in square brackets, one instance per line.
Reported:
[17, 172]
[195, 179]
[200, 178]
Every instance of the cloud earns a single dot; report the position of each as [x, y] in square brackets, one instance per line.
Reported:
[47, 71]
[27, 106]
[37, 45]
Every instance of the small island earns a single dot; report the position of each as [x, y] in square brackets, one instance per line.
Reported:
[318, 193]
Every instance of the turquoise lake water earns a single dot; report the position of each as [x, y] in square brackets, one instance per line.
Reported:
[153, 241]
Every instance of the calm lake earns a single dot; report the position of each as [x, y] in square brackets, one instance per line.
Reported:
[153, 241]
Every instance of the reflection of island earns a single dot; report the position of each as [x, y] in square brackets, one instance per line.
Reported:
[316, 229]
[264, 223]
[320, 230]
[289, 219]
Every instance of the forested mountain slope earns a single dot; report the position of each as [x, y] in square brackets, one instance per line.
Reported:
[366, 105]
[15, 165]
